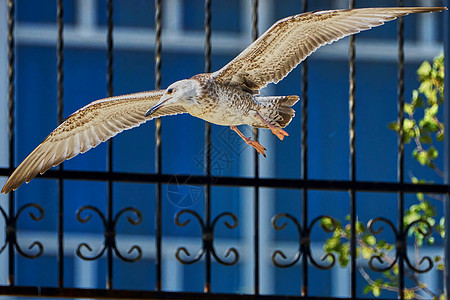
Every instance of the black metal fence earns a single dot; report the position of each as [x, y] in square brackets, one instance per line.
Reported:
[207, 252]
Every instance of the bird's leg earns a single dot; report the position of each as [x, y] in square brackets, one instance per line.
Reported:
[278, 131]
[254, 144]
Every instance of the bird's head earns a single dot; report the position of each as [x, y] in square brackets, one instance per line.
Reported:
[183, 92]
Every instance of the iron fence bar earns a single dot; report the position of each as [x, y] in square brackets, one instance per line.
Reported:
[401, 248]
[60, 109]
[11, 124]
[312, 184]
[158, 153]
[207, 286]
[109, 75]
[446, 32]
[304, 161]
[32, 291]
[352, 153]
[256, 170]
[304, 171]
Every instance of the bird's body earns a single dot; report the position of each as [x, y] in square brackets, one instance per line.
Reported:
[230, 106]
[219, 104]
[229, 96]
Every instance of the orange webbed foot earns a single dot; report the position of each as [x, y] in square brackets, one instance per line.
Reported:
[249, 141]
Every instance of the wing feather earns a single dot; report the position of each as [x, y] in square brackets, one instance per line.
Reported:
[85, 129]
[289, 41]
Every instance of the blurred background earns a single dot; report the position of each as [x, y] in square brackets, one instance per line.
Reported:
[183, 140]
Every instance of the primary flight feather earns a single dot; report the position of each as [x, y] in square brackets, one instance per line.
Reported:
[228, 96]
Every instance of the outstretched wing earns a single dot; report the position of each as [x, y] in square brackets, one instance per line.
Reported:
[85, 129]
[289, 41]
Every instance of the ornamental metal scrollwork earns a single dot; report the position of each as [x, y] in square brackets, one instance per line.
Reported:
[304, 242]
[276, 253]
[379, 257]
[110, 233]
[427, 233]
[207, 238]
[11, 230]
[401, 245]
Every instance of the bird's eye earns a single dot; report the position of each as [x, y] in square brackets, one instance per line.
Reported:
[169, 91]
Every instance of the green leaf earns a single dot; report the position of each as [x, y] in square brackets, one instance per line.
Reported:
[333, 244]
[366, 252]
[432, 111]
[369, 240]
[393, 126]
[411, 216]
[419, 241]
[348, 230]
[409, 109]
[422, 158]
[408, 124]
[424, 69]
[409, 294]
[425, 139]
[360, 228]
[415, 95]
[440, 136]
[367, 289]
[428, 123]
[432, 153]
[381, 244]
[327, 224]
[389, 247]
[395, 269]
[376, 291]
[417, 101]
[343, 261]
[420, 196]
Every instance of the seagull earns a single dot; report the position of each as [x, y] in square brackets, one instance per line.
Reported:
[229, 96]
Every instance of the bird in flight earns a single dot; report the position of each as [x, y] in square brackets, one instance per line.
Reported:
[229, 96]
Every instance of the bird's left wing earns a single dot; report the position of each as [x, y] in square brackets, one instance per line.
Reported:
[289, 41]
[85, 129]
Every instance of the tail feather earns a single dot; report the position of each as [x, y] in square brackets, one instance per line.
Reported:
[289, 100]
[282, 106]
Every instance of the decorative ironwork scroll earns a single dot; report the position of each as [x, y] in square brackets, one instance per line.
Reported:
[401, 245]
[304, 242]
[11, 230]
[110, 233]
[207, 238]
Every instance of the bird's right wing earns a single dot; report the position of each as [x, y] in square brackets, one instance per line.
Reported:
[289, 41]
[85, 129]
